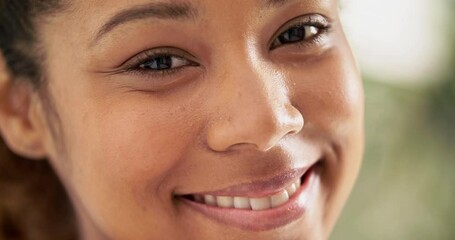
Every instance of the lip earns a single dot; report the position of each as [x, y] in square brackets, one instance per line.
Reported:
[262, 220]
[259, 188]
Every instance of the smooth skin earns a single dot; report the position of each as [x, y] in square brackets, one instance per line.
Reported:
[239, 106]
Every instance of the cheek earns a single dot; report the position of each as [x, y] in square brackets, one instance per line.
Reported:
[329, 94]
[125, 152]
[132, 139]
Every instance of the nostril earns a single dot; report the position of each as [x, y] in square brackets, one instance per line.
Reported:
[261, 128]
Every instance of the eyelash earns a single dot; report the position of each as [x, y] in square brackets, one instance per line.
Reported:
[317, 21]
[134, 67]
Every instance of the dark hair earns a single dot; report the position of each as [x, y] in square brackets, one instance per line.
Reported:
[33, 203]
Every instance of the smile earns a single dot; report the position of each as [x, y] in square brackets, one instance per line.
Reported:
[258, 206]
[250, 203]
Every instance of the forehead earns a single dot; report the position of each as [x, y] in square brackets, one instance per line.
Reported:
[202, 7]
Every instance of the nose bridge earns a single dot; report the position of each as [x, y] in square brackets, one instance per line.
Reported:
[254, 108]
[261, 94]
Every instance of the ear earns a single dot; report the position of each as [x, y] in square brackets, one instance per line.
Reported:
[21, 118]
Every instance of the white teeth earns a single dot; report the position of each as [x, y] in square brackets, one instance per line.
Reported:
[260, 203]
[279, 198]
[263, 203]
[297, 183]
[210, 200]
[291, 189]
[242, 203]
[223, 201]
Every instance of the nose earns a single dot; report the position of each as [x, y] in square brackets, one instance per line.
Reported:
[254, 109]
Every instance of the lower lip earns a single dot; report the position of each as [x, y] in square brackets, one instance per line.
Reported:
[262, 220]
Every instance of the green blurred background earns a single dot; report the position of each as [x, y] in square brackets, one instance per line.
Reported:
[406, 188]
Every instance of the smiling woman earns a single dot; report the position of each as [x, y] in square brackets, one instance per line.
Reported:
[179, 119]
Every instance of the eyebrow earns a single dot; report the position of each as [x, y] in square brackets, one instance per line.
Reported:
[161, 10]
[275, 3]
[158, 10]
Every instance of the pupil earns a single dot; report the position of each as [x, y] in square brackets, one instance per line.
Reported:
[159, 63]
[293, 35]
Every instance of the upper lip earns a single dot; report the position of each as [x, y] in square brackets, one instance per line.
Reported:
[260, 188]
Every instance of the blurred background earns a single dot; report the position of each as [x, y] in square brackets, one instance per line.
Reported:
[406, 188]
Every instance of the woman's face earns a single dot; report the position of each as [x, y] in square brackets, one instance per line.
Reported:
[195, 119]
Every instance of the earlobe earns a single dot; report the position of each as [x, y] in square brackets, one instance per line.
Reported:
[20, 126]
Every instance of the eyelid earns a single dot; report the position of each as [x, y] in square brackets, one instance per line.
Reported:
[133, 63]
[314, 19]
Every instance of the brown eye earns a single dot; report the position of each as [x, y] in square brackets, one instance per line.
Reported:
[295, 34]
[161, 63]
